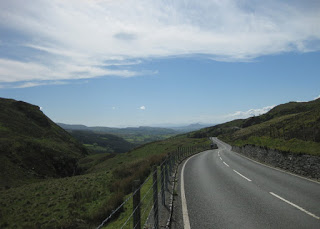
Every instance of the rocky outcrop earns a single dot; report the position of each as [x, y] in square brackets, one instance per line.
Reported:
[300, 164]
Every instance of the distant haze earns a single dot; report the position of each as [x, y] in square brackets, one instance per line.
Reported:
[155, 130]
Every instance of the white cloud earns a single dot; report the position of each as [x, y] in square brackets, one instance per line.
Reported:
[318, 97]
[215, 119]
[26, 84]
[15, 71]
[218, 118]
[249, 113]
[142, 108]
[81, 38]
[36, 84]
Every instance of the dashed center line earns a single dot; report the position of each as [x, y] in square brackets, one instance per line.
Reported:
[294, 205]
[242, 175]
[226, 164]
[273, 194]
[233, 169]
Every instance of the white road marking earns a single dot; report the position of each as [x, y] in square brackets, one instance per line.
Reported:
[220, 158]
[186, 222]
[226, 164]
[242, 175]
[294, 205]
[219, 153]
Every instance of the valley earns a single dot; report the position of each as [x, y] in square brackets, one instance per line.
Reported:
[74, 179]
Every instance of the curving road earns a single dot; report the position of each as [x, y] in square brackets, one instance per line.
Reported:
[221, 189]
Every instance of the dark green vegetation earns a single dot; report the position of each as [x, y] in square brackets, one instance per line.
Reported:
[293, 127]
[33, 147]
[135, 135]
[102, 143]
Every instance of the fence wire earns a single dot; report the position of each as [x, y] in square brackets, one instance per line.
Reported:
[146, 205]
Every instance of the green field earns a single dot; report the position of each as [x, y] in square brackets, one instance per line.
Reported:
[145, 138]
[102, 142]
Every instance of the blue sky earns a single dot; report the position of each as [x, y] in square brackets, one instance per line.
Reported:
[132, 63]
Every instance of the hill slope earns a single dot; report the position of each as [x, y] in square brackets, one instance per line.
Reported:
[102, 143]
[293, 126]
[32, 146]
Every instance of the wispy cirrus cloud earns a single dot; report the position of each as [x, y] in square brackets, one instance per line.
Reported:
[26, 84]
[15, 71]
[36, 84]
[75, 39]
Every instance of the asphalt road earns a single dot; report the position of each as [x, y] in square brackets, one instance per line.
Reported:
[225, 190]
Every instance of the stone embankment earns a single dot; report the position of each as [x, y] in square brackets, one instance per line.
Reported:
[300, 164]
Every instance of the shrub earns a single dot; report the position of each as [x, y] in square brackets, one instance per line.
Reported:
[106, 208]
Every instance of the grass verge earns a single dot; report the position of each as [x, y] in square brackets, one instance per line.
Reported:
[292, 145]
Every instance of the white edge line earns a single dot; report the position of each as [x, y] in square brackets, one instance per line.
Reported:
[220, 158]
[186, 222]
[294, 205]
[226, 164]
[242, 175]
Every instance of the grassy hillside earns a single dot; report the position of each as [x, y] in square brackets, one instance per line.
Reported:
[83, 201]
[33, 147]
[102, 143]
[294, 127]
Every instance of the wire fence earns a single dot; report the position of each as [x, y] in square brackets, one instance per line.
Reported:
[147, 195]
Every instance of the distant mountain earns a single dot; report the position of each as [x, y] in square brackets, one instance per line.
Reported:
[144, 130]
[32, 146]
[294, 126]
[191, 127]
